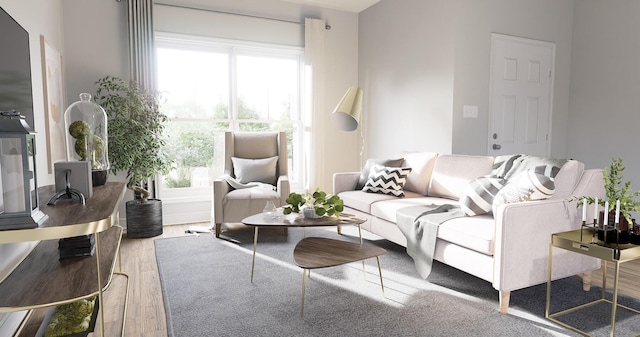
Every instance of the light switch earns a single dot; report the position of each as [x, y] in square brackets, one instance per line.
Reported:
[470, 111]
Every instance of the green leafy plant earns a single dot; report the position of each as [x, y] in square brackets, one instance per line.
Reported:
[135, 130]
[616, 190]
[321, 202]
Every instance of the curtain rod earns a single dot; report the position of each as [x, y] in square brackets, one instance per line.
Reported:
[327, 27]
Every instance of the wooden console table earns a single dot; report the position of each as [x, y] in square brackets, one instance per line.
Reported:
[41, 279]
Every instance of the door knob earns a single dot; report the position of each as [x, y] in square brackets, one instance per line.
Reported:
[496, 146]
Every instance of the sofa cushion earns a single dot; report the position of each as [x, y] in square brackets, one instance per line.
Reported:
[387, 180]
[387, 209]
[476, 233]
[362, 201]
[478, 195]
[421, 164]
[364, 174]
[452, 173]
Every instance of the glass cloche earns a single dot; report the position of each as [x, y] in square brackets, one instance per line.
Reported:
[86, 125]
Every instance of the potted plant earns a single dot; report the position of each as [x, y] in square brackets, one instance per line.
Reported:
[615, 190]
[315, 205]
[135, 135]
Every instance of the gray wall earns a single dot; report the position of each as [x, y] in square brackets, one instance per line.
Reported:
[421, 61]
[605, 84]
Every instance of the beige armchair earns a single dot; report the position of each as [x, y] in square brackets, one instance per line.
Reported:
[250, 157]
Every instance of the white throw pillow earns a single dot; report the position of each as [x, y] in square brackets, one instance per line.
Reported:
[525, 186]
[255, 170]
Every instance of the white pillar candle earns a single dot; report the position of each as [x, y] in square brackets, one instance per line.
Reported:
[584, 209]
[595, 210]
[606, 213]
[618, 211]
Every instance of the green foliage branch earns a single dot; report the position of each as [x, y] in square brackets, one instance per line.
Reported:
[616, 190]
[321, 202]
[135, 130]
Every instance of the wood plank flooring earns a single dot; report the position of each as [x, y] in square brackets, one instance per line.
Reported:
[145, 315]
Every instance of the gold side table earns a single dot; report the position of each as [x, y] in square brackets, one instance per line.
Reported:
[582, 241]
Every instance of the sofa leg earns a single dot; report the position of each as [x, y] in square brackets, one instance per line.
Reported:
[586, 281]
[218, 229]
[504, 301]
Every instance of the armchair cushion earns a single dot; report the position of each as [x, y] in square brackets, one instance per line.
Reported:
[255, 170]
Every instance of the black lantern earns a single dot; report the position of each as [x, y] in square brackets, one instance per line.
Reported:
[19, 204]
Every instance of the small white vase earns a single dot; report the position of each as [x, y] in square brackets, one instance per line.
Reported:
[310, 213]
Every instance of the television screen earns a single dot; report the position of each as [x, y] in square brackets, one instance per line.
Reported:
[15, 68]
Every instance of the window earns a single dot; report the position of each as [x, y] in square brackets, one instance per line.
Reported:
[210, 86]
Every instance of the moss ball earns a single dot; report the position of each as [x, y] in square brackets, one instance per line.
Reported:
[79, 129]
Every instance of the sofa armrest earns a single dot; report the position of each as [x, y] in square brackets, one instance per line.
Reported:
[283, 187]
[523, 235]
[345, 181]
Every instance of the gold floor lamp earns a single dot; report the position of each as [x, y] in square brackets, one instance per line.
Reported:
[346, 116]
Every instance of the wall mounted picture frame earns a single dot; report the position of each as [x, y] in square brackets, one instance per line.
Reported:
[53, 87]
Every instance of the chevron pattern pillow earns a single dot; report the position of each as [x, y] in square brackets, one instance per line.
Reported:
[387, 180]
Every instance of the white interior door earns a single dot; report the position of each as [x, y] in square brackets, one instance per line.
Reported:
[521, 90]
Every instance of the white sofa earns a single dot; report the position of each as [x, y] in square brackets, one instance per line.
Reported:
[510, 248]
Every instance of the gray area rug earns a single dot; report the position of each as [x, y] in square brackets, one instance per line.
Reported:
[207, 292]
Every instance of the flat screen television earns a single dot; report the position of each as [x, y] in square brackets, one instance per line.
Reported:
[15, 68]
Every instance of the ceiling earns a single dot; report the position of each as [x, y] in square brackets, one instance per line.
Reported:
[355, 6]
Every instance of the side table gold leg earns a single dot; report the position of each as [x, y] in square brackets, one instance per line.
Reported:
[253, 259]
[614, 304]
[100, 297]
[550, 260]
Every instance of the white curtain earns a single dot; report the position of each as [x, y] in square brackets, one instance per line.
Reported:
[314, 30]
[142, 54]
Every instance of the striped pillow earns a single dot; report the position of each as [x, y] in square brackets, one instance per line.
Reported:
[477, 197]
[387, 180]
[525, 186]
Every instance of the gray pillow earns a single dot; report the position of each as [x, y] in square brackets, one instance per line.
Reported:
[364, 174]
[255, 170]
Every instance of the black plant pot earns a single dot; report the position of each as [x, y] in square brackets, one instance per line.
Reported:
[144, 220]
[99, 177]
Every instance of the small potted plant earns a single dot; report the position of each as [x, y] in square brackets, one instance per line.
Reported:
[615, 190]
[315, 205]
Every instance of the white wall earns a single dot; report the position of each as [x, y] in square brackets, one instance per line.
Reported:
[604, 119]
[38, 17]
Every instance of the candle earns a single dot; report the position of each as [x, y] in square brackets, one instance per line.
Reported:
[584, 209]
[617, 211]
[595, 211]
[606, 213]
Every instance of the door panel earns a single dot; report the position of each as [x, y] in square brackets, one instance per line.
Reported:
[521, 87]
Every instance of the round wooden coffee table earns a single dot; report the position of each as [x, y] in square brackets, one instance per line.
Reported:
[278, 220]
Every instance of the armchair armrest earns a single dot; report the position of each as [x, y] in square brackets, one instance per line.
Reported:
[283, 187]
[345, 181]
[523, 235]
[220, 188]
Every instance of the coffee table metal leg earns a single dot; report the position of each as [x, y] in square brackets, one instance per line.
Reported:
[380, 273]
[304, 281]
[255, 243]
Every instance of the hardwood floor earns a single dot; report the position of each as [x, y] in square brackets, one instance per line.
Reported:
[145, 316]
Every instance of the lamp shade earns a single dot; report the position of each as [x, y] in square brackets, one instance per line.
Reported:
[346, 115]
